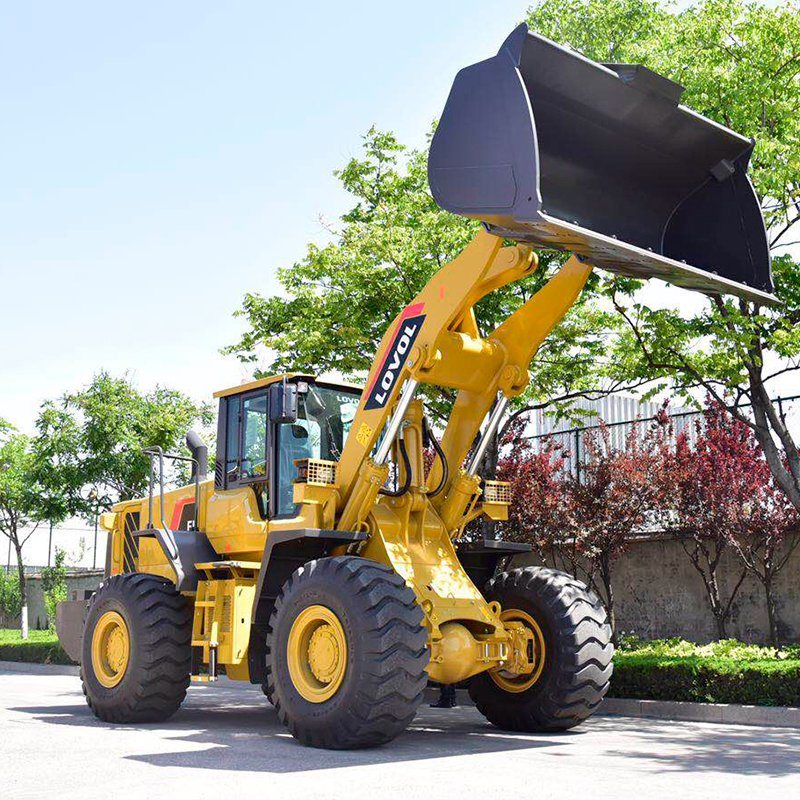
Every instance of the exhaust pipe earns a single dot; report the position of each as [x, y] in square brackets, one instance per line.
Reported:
[199, 453]
[545, 146]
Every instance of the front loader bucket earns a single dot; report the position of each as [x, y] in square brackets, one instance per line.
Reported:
[545, 146]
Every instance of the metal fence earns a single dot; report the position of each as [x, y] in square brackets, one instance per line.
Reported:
[571, 440]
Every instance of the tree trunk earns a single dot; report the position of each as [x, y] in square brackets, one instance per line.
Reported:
[784, 462]
[23, 592]
[772, 611]
[720, 613]
[605, 574]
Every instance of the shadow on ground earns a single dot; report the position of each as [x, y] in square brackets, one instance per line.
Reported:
[708, 747]
[234, 728]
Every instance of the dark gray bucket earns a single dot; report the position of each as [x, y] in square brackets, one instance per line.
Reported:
[545, 146]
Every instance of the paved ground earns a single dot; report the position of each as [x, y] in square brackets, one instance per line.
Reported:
[227, 743]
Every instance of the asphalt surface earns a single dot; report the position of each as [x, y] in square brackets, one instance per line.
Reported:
[226, 742]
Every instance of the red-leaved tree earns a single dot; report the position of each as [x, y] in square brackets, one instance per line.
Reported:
[724, 498]
[767, 540]
[583, 521]
[707, 489]
[611, 498]
[540, 510]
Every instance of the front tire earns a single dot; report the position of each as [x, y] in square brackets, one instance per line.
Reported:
[577, 653]
[346, 654]
[136, 652]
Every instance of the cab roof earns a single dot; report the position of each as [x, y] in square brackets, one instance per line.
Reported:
[290, 376]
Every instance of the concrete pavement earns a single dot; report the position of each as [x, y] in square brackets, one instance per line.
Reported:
[226, 742]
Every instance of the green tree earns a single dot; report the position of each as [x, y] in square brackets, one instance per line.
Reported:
[10, 601]
[57, 465]
[20, 508]
[115, 421]
[740, 64]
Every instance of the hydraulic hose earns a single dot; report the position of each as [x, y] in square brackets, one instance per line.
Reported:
[407, 482]
[439, 452]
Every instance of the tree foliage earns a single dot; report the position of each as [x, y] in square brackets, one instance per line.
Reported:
[708, 484]
[114, 421]
[714, 491]
[56, 464]
[54, 587]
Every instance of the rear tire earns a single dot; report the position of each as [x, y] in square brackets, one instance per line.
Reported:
[578, 652]
[369, 690]
[136, 651]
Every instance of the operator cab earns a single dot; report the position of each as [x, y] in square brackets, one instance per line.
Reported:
[265, 426]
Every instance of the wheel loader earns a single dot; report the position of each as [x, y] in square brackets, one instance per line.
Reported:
[300, 566]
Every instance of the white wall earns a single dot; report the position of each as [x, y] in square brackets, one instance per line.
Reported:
[75, 537]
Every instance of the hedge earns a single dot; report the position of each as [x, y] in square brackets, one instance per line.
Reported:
[41, 647]
[706, 680]
[723, 672]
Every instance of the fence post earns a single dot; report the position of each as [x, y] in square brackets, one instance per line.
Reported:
[577, 454]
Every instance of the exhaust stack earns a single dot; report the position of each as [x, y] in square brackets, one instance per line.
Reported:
[199, 453]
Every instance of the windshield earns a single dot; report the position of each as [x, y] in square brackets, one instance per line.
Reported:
[324, 417]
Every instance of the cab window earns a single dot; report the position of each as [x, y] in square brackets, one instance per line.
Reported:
[324, 417]
[246, 438]
[255, 419]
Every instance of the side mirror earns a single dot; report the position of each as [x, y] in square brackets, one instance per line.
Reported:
[283, 402]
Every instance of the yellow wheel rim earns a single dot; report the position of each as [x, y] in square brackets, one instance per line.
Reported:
[317, 654]
[111, 649]
[512, 681]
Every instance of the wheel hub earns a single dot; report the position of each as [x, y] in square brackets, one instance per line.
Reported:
[527, 656]
[316, 653]
[110, 649]
[323, 653]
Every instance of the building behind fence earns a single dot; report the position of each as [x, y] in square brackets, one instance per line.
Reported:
[621, 415]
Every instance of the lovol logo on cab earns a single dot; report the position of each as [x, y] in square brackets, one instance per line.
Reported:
[396, 356]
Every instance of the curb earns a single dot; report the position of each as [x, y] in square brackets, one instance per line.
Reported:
[28, 668]
[719, 713]
[678, 711]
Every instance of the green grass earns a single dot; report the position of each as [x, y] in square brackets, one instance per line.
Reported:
[41, 647]
[722, 672]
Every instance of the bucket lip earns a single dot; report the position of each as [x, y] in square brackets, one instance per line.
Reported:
[712, 282]
[515, 42]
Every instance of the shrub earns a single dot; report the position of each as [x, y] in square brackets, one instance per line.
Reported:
[10, 598]
[727, 671]
[41, 647]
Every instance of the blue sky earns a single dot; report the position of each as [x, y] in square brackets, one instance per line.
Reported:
[159, 160]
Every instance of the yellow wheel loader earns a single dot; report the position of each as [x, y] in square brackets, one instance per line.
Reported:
[299, 566]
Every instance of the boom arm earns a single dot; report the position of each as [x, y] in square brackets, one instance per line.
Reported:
[435, 341]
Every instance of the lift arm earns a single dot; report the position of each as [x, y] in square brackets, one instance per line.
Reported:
[435, 341]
